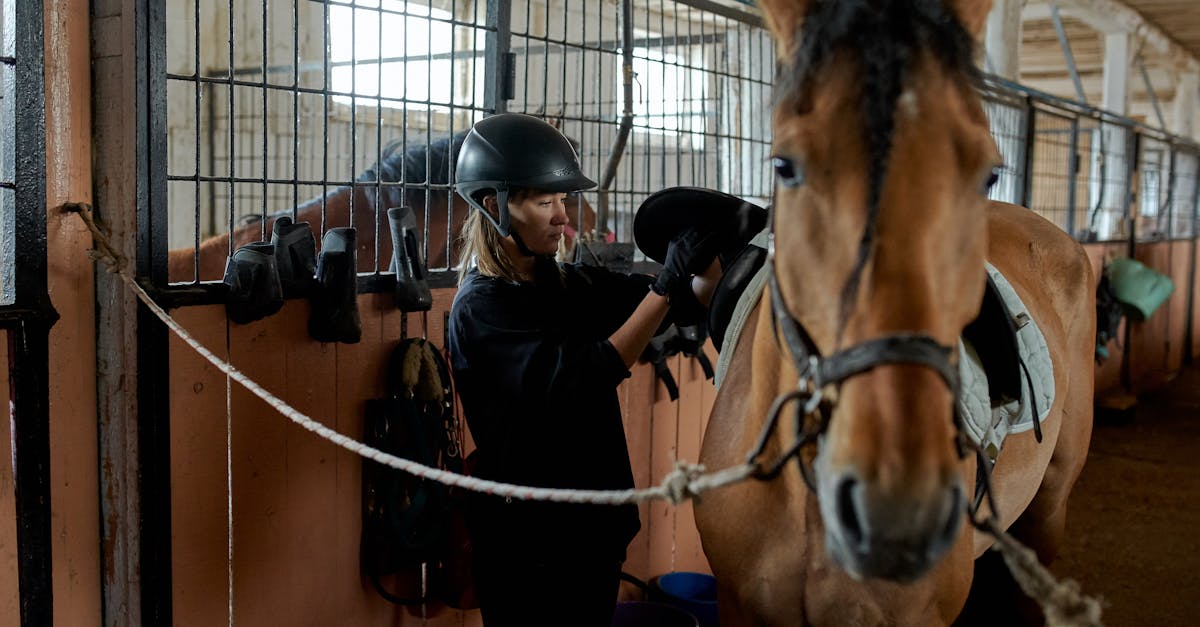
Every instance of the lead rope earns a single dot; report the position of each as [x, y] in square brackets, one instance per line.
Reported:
[685, 481]
[1062, 602]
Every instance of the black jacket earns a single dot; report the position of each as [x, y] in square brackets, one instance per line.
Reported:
[537, 378]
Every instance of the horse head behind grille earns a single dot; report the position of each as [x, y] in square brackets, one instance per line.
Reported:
[416, 176]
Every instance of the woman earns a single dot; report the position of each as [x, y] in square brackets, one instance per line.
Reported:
[538, 350]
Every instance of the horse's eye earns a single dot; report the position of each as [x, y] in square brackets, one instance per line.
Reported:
[789, 175]
[992, 178]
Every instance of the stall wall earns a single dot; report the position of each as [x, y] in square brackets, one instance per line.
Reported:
[296, 498]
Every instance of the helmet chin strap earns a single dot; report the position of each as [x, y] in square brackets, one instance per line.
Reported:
[503, 224]
[521, 244]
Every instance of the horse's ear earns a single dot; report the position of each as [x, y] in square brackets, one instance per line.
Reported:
[973, 14]
[783, 18]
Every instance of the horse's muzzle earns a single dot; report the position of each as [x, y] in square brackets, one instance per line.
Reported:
[873, 533]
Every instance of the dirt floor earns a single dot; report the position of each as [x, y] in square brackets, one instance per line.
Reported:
[1134, 521]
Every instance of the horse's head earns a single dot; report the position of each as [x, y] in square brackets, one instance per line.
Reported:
[883, 159]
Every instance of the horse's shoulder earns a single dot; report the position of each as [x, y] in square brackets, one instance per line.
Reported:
[1024, 244]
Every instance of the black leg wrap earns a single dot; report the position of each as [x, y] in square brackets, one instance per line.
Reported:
[334, 314]
[253, 279]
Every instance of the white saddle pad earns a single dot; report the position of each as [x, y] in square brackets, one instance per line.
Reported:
[988, 426]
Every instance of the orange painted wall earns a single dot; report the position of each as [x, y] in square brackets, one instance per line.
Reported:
[1155, 351]
[74, 465]
[296, 498]
[1108, 374]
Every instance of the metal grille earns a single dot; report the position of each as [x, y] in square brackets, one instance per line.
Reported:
[275, 105]
[1109, 150]
[1008, 117]
[1154, 190]
[1053, 171]
[8, 138]
[1185, 196]
[700, 97]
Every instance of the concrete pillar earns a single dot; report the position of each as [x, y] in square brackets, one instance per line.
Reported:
[1002, 39]
[1116, 72]
[1109, 169]
[1184, 109]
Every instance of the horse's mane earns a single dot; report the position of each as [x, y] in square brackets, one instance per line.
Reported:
[885, 37]
[418, 164]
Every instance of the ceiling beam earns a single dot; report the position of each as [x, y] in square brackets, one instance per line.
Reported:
[1109, 16]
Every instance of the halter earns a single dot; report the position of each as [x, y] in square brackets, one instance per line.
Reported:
[813, 411]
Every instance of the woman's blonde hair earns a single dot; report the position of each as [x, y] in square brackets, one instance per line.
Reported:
[483, 246]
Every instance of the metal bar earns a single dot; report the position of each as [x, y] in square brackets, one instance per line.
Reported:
[153, 363]
[1072, 176]
[708, 6]
[497, 65]
[197, 92]
[1189, 330]
[29, 371]
[1027, 155]
[266, 163]
[1162, 122]
[28, 338]
[295, 108]
[1067, 54]
[626, 124]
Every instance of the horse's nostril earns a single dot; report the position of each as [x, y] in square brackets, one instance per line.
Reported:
[848, 511]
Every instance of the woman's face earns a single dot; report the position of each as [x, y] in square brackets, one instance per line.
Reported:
[539, 218]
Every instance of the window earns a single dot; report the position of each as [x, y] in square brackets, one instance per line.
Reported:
[668, 95]
[407, 47]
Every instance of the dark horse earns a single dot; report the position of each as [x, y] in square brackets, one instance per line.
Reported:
[421, 167]
[882, 227]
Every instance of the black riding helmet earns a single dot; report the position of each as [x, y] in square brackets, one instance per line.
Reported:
[513, 150]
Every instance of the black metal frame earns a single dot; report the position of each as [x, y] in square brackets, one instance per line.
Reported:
[153, 403]
[28, 321]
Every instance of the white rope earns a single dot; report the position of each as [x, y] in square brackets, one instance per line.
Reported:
[1062, 602]
[686, 481]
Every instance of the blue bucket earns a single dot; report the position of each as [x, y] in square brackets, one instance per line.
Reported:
[695, 593]
[649, 614]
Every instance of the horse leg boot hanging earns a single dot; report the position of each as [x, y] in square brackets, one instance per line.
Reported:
[405, 519]
[412, 288]
[253, 280]
[334, 313]
[295, 255]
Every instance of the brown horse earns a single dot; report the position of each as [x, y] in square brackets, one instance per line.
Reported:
[881, 230]
[374, 192]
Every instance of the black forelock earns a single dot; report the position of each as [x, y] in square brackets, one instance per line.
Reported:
[884, 38]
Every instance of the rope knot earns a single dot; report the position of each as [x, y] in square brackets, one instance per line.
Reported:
[677, 485]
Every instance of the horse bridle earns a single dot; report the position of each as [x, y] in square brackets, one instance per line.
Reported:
[813, 411]
[817, 372]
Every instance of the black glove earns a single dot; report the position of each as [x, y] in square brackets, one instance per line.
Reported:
[691, 251]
